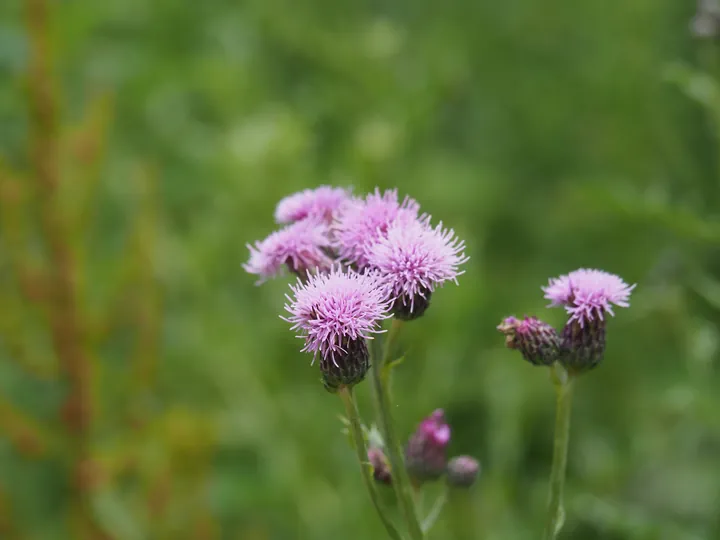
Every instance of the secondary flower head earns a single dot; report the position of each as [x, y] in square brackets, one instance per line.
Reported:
[335, 313]
[587, 294]
[302, 247]
[361, 222]
[426, 452]
[462, 471]
[321, 202]
[538, 342]
[414, 259]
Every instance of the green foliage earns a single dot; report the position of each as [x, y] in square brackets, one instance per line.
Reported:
[550, 136]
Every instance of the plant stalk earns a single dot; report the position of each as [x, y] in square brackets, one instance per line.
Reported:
[563, 395]
[358, 438]
[383, 404]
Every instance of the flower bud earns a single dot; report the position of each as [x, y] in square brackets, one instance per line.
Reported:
[345, 368]
[426, 452]
[583, 345]
[380, 465]
[462, 471]
[538, 342]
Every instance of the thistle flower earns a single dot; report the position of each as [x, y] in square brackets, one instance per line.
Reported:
[335, 313]
[538, 342]
[361, 222]
[587, 296]
[301, 247]
[415, 259]
[321, 203]
[380, 465]
[462, 471]
[425, 455]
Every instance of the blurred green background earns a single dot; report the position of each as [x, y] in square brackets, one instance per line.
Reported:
[550, 135]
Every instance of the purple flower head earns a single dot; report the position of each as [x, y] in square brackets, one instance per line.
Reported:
[321, 202]
[538, 342]
[335, 313]
[587, 294]
[414, 258]
[302, 247]
[361, 222]
[426, 453]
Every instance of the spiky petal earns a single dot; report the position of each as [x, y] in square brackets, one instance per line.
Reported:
[321, 202]
[361, 222]
[301, 247]
[587, 294]
[415, 259]
[335, 313]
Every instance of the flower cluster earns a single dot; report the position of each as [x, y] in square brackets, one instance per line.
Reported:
[587, 296]
[358, 260]
[426, 456]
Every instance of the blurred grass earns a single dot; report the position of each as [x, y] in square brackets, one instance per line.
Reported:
[548, 135]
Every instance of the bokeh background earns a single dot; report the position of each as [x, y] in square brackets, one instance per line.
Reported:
[149, 390]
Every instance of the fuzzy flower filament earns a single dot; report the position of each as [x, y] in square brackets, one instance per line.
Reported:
[587, 295]
[415, 259]
[321, 203]
[301, 247]
[361, 222]
[335, 313]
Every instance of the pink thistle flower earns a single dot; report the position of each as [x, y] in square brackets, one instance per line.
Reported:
[587, 294]
[301, 247]
[426, 452]
[414, 259]
[361, 222]
[335, 313]
[321, 202]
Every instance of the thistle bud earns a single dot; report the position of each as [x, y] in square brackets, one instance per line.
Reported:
[538, 342]
[462, 471]
[380, 465]
[426, 452]
[346, 368]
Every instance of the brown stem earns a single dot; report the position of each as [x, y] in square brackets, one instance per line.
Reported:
[66, 326]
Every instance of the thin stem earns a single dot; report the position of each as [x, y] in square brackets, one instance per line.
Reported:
[359, 440]
[435, 510]
[383, 403]
[563, 390]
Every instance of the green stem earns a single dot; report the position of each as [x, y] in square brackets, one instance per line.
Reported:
[435, 511]
[383, 403]
[359, 439]
[563, 391]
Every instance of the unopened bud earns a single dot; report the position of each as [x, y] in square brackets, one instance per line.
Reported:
[426, 452]
[380, 465]
[462, 471]
[538, 342]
